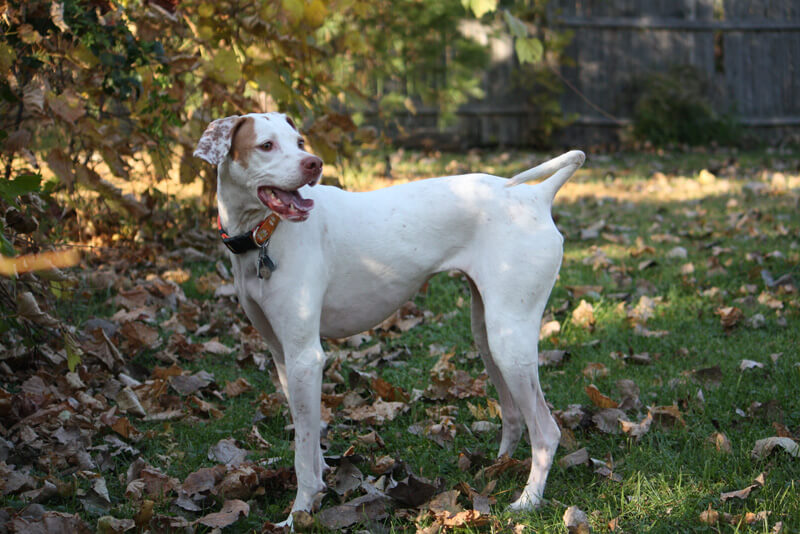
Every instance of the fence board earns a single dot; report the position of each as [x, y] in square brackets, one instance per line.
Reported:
[616, 41]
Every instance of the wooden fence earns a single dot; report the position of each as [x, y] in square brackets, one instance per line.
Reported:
[748, 49]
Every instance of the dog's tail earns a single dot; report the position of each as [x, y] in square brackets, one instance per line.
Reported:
[557, 171]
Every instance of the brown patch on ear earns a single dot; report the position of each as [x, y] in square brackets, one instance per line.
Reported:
[244, 140]
[215, 143]
[291, 122]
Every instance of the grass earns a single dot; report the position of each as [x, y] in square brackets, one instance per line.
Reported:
[669, 476]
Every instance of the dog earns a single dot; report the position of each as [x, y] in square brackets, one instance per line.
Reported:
[319, 261]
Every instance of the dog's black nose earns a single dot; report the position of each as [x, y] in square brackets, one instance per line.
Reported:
[311, 164]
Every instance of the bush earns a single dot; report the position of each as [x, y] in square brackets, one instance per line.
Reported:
[674, 107]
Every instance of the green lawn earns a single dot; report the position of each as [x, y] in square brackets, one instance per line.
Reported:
[622, 224]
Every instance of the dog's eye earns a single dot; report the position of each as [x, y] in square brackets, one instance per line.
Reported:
[301, 143]
[267, 146]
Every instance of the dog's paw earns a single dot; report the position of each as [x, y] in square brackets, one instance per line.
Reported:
[526, 502]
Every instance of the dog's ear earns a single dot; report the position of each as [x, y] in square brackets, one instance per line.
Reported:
[215, 143]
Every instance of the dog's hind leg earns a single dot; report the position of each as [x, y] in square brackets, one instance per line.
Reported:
[512, 419]
[513, 338]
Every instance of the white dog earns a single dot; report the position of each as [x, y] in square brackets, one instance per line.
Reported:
[348, 263]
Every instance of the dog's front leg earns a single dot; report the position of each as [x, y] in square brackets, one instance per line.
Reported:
[304, 380]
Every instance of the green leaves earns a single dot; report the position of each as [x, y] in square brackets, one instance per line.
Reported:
[528, 49]
[479, 7]
[24, 183]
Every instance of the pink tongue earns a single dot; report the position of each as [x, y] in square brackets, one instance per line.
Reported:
[293, 198]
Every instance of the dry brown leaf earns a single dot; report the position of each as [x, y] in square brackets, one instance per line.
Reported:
[231, 511]
[594, 370]
[551, 357]
[579, 457]
[377, 413]
[598, 399]
[227, 452]
[465, 518]
[237, 387]
[709, 516]
[576, 521]
[637, 430]
[387, 391]
[128, 402]
[583, 315]
[729, 316]
[750, 364]
[738, 494]
[720, 442]
[372, 507]
[255, 438]
[607, 420]
[50, 523]
[140, 335]
[503, 464]
[445, 502]
[667, 416]
[765, 447]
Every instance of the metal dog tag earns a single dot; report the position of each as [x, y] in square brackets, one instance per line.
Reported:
[264, 265]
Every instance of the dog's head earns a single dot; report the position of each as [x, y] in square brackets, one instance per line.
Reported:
[265, 155]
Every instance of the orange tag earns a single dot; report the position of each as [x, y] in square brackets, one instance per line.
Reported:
[263, 231]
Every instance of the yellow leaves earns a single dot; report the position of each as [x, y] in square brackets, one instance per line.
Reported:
[583, 315]
[225, 67]
[480, 7]
[58, 259]
[314, 13]
[293, 9]
[7, 57]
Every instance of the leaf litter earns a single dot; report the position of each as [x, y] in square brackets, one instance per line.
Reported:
[84, 420]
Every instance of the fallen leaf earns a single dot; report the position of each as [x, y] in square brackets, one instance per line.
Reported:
[231, 511]
[576, 521]
[738, 494]
[729, 316]
[579, 457]
[371, 507]
[709, 375]
[345, 478]
[377, 413]
[667, 416]
[551, 357]
[721, 442]
[445, 502]
[237, 387]
[128, 402]
[765, 447]
[709, 516]
[412, 491]
[594, 370]
[750, 364]
[607, 420]
[583, 315]
[549, 329]
[227, 452]
[50, 523]
[637, 430]
[598, 399]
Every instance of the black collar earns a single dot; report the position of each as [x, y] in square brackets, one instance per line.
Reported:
[252, 240]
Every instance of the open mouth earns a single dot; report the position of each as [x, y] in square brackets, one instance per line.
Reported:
[287, 204]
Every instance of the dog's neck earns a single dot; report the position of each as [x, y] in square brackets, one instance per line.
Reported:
[239, 211]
